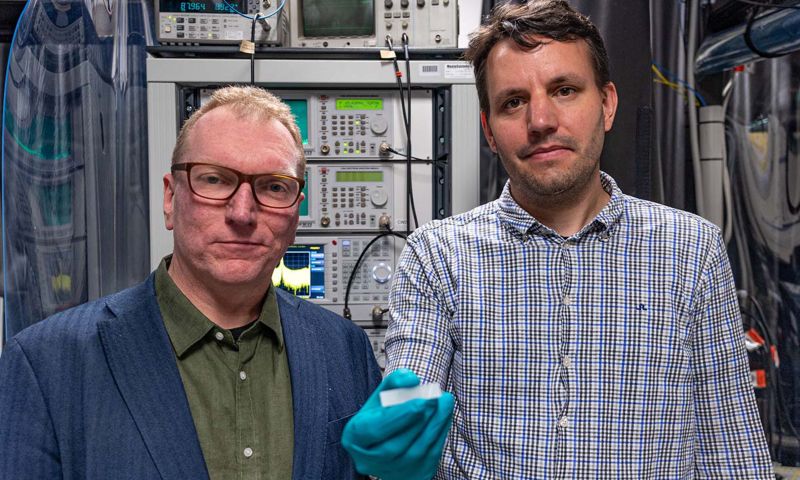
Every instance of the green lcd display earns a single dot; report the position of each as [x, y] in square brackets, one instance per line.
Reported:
[351, 176]
[359, 104]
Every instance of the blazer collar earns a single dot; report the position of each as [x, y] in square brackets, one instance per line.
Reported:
[143, 364]
[309, 388]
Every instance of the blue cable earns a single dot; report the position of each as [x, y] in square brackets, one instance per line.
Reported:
[257, 17]
[675, 79]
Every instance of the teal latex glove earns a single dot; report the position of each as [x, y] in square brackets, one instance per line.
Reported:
[401, 442]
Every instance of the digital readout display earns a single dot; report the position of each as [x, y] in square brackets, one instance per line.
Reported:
[359, 104]
[202, 6]
[353, 176]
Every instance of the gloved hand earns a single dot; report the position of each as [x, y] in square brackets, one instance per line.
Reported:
[401, 442]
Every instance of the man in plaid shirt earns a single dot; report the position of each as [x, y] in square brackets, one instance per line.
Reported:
[584, 333]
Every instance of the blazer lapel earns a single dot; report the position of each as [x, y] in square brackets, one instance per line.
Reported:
[309, 389]
[143, 364]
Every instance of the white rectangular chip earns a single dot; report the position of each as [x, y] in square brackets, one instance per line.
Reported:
[397, 396]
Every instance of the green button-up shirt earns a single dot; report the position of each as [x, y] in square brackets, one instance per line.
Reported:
[239, 392]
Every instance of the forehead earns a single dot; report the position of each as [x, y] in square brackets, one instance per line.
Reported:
[245, 143]
[509, 63]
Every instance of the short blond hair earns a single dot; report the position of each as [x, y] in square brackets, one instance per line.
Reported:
[246, 102]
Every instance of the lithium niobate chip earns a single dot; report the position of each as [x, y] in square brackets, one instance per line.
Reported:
[400, 395]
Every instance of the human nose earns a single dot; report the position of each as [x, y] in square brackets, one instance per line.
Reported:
[542, 116]
[242, 206]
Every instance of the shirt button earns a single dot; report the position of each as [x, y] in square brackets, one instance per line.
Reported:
[219, 336]
[563, 422]
[248, 452]
[567, 300]
[243, 375]
[567, 361]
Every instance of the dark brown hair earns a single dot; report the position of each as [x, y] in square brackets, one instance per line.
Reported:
[554, 19]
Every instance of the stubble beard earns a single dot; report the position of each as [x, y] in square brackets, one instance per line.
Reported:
[561, 186]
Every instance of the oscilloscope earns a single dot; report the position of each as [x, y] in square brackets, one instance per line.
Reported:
[366, 23]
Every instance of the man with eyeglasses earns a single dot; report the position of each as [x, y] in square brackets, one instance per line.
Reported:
[205, 369]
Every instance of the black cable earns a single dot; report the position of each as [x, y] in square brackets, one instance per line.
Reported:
[783, 412]
[748, 39]
[771, 389]
[410, 192]
[253, 53]
[392, 150]
[346, 312]
[398, 76]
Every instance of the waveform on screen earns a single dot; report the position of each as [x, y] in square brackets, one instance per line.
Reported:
[293, 274]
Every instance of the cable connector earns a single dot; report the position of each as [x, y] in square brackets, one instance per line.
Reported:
[346, 313]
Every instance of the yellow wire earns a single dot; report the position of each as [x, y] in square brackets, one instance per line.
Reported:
[675, 86]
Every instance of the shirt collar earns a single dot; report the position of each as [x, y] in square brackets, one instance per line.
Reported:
[514, 216]
[186, 325]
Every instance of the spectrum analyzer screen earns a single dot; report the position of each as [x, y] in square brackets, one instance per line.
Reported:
[301, 271]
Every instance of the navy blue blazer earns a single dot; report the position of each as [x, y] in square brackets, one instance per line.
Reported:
[95, 392]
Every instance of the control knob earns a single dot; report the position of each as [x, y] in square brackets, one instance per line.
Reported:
[382, 272]
[378, 197]
[379, 126]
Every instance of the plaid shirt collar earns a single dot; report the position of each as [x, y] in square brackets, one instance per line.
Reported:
[515, 217]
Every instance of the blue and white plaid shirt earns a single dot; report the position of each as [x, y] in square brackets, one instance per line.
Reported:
[614, 353]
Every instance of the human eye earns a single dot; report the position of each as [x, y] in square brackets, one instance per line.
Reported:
[566, 91]
[213, 179]
[274, 185]
[277, 187]
[212, 176]
[512, 104]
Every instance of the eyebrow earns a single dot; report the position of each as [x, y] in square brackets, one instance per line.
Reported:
[571, 78]
[511, 92]
[567, 78]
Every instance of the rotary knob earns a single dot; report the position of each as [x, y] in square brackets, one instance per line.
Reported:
[378, 197]
[379, 126]
[382, 272]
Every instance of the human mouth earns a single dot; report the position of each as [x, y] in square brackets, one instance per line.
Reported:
[237, 246]
[544, 152]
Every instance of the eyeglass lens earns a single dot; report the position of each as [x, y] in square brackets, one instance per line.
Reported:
[219, 183]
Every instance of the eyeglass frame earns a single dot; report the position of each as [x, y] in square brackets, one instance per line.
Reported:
[241, 177]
